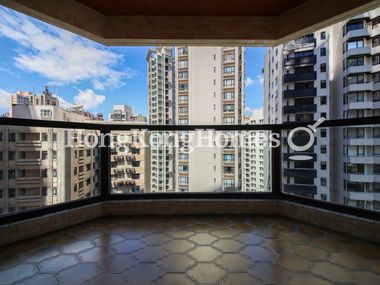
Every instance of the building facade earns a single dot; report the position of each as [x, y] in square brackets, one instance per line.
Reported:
[254, 163]
[332, 73]
[45, 166]
[160, 63]
[130, 154]
[209, 91]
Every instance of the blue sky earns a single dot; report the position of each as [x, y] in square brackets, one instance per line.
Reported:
[34, 54]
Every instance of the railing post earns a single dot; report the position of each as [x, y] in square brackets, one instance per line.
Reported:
[276, 168]
[105, 166]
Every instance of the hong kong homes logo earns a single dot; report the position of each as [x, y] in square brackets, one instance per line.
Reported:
[310, 130]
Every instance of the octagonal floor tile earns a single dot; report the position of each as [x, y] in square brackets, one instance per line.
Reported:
[119, 263]
[156, 239]
[228, 245]
[306, 278]
[56, 264]
[143, 274]
[40, 279]
[269, 273]
[77, 246]
[204, 253]
[224, 233]
[179, 246]
[310, 252]
[203, 239]
[151, 253]
[175, 263]
[293, 263]
[249, 239]
[174, 279]
[107, 279]
[128, 246]
[16, 273]
[366, 277]
[240, 279]
[258, 253]
[79, 273]
[234, 262]
[350, 261]
[332, 272]
[207, 273]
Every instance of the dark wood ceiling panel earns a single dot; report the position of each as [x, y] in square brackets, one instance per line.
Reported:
[255, 8]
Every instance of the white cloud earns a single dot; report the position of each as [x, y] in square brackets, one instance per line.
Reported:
[248, 81]
[88, 99]
[249, 111]
[259, 79]
[4, 99]
[60, 56]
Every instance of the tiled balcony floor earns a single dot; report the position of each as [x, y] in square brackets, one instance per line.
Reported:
[233, 250]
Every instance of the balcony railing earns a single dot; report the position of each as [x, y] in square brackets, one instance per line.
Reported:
[300, 93]
[297, 77]
[88, 191]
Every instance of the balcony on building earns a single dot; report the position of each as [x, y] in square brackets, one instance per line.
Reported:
[301, 76]
[307, 108]
[300, 93]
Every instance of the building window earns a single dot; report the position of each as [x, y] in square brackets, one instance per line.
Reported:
[44, 173]
[228, 108]
[228, 183]
[376, 41]
[182, 64]
[323, 100]
[229, 70]
[323, 84]
[376, 96]
[182, 87]
[355, 44]
[44, 191]
[323, 149]
[323, 51]
[323, 67]
[182, 98]
[323, 133]
[183, 180]
[183, 75]
[323, 35]
[355, 61]
[228, 82]
[228, 95]
[323, 181]
[44, 137]
[228, 157]
[376, 77]
[11, 137]
[229, 57]
[54, 137]
[11, 174]
[183, 168]
[323, 165]
[11, 155]
[229, 121]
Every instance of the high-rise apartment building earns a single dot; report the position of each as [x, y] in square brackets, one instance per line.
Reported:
[254, 163]
[209, 91]
[130, 156]
[333, 73]
[358, 86]
[45, 166]
[161, 112]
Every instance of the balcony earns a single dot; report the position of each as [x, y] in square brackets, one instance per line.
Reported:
[300, 93]
[300, 60]
[307, 108]
[299, 77]
[358, 51]
[301, 190]
[301, 173]
[364, 32]
[312, 154]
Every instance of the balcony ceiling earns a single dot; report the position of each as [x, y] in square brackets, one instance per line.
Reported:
[203, 22]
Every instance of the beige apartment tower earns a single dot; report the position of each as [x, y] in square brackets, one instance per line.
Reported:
[209, 91]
